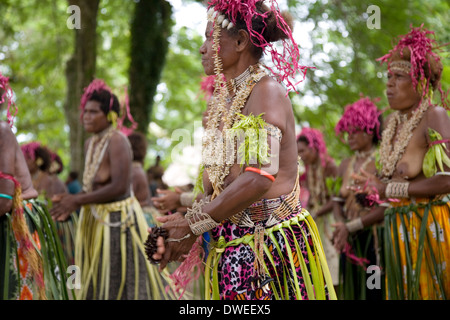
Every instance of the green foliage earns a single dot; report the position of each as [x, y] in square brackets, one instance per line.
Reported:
[179, 102]
[35, 44]
[255, 149]
[436, 155]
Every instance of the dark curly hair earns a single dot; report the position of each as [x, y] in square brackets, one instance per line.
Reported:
[104, 98]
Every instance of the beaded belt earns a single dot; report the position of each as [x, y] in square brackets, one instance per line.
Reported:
[270, 210]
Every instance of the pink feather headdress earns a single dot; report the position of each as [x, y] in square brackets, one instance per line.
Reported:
[100, 85]
[7, 95]
[316, 141]
[95, 85]
[29, 149]
[422, 48]
[286, 62]
[360, 115]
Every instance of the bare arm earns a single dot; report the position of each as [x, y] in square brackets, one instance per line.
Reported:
[7, 160]
[119, 154]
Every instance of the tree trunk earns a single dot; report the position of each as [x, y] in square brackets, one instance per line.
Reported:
[150, 29]
[80, 71]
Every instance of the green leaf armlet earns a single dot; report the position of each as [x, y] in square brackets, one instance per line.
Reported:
[436, 154]
[253, 147]
[198, 188]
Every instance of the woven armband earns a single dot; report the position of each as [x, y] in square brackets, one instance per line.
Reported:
[397, 190]
[273, 131]
[354, 225]
[199, 222]
[186, 199]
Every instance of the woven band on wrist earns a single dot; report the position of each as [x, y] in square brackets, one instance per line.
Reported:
[199, 222]
[338, 199]
[397, 190]
[354, 225]
[186, 199]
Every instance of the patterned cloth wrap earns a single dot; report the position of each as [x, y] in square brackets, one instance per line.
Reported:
[292, 253]
[412, 245]
[17, 282]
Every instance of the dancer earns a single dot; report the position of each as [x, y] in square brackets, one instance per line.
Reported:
[32, 265]
[361, 123]
[319, 167]
[265, 245]
[414, 150]
[112, 227]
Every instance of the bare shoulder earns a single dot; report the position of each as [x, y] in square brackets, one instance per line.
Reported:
[7, 137]
[5, 130]
[437, 113]
[269, 97]
[119, 143]
[438, 119]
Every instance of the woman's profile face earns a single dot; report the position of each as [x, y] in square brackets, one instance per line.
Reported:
[227, 51]
[207, 51]
[94, 119]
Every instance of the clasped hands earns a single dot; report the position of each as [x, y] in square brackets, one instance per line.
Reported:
[62, 206]
[178, 243]
[363, 183]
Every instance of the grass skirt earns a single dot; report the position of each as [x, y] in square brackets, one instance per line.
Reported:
[17, 281]
[417, 250]
[110, 253]
[293, 258]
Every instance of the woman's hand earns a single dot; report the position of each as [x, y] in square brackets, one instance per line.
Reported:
[167, 200]
[172, 249]
[368, 182]
[63, 206]
[340, 236]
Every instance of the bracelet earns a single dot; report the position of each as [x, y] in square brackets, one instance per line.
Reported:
[442, 173]
[354, 225]
[178, 240]
[261, 172]
[199, 222]
[6, 196]
[186, 199]
[397, 190]
[338, 199]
